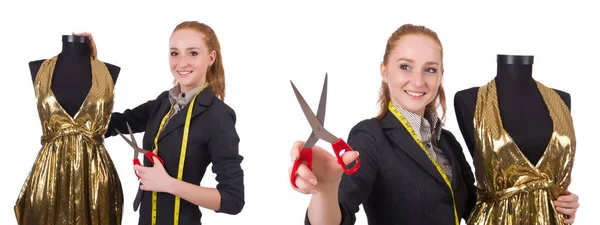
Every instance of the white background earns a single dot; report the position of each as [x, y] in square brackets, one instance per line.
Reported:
[267, 44]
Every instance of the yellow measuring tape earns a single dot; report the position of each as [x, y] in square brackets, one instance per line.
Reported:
[412, 132]
[186, 131]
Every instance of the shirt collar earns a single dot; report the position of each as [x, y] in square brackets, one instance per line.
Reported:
[176, 96]
[416, 121]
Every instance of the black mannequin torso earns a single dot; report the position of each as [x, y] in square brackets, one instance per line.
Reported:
[72, 77]
[524, 114]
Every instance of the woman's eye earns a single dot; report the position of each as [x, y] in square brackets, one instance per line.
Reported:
[404, 67]
[173, 53]
[431, 70]
[193, 53]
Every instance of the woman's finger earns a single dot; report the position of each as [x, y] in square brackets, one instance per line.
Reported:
[139, 168]
[349, 157]
[570, 220]
[569, 197]
[566, 204]
[307, 174]
[304, 186]
[566, 211]
[295, 151]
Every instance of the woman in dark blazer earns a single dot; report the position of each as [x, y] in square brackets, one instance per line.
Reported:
[412, 171]
[195, 61]
[396, 183]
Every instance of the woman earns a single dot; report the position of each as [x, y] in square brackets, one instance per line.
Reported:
[397, 182]
[196, 64]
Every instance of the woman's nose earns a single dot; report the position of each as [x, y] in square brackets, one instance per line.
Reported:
[417, 79]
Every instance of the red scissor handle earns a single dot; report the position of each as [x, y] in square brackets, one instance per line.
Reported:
[339, 146]
[150, 154]
[136, 161]
[305, 156]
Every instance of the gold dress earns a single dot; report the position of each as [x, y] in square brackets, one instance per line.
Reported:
[511, 190]
[73, 180]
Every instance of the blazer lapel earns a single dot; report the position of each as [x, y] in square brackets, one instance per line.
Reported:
[449, 153]
[202, 102]
[400, 136]
[153, 126]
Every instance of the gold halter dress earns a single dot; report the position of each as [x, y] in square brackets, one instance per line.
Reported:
[511, 190]
[73, 180]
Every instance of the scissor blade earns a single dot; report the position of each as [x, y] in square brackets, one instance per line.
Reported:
[314, 122]
[325, 135]
[131, 135]
[322, 103]
[126, 139]
[308, 113]
[311, 141]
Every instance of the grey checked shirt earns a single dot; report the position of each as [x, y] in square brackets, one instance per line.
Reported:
[425, 131]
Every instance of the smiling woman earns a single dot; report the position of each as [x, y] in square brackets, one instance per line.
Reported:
[187, 141]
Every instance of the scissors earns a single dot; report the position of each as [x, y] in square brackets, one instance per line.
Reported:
[319, 132]
[137, 150]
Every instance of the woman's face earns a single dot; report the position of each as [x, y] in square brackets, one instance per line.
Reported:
[189, 58]
[413, 72]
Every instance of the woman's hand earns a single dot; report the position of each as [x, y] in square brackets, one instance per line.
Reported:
[567, 204]
[326, 172]
[154, 178]
[93, 50]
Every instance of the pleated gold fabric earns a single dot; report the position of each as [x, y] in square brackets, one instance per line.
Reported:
[511, 190]
[73, 180]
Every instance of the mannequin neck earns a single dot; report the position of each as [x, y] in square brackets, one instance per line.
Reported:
[75, 50]
[75, 47]
[514, 71]
[514, 79]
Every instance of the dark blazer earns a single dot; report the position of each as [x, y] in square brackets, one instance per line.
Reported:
[212, 139]
[397, 183]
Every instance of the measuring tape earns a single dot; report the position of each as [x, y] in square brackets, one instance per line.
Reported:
[186, 131]
[412, 132]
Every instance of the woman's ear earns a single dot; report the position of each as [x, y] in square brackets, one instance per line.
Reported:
[212, 57]
[383, 71]
[442, 71]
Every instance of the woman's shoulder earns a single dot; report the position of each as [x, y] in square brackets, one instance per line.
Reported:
[163, 95]
[448, 135]
[218, 108]
[368, 127]
[159, 99]
[367, 124]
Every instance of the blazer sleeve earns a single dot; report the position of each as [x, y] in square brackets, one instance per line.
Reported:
[137, 118]
[226, 160]
[466, 173]
[356, 188]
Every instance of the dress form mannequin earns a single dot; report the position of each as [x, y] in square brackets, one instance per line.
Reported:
[73, 177]
[72, 77]
[522, 109]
